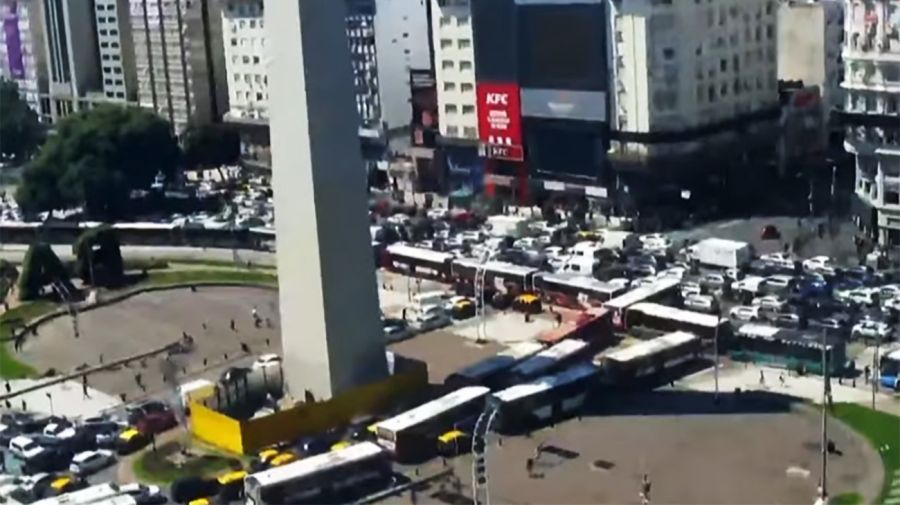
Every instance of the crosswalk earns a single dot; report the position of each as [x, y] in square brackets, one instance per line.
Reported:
[893, 496]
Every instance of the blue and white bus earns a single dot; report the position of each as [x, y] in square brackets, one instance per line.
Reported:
[532, 404]
[492, 370]
[650, 358]
[889, 369]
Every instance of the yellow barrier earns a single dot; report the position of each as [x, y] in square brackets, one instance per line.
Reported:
[216, 428]
[246, 437]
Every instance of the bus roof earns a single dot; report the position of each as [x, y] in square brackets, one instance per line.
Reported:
[497, 267]
[549, 357]
[418, 253]
[314, 464]
[433, 408]
[787, 336]
[582, 282]
[650, 347]
[503, 359]
[546, 383]
[92, 494]
[680, 315]
[642, 293]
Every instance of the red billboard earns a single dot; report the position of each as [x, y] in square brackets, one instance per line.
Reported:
[500, 121]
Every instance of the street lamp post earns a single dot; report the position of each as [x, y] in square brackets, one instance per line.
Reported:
[716, 357]
[825, 394]
[875, 368]
[50, 398]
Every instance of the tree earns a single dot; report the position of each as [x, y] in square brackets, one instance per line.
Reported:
[41, 267]
[20, 131]
[211, 146]
[99, 257]
[96, 159]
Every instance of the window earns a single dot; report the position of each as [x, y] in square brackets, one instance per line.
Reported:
[468, 109]
[245, 59]
[449, 86]
[465, 65]
[668, 53]
[450, 108]
[237, 77]
[445, 43]
[723, 65]
[447, 64]
[252, 23]
[466, 87]
[770, 32]
[892, 198]
[256, 60]
[114, 32]
[119, 94]
[233, 42]
[465, 43]
[103, 32]
[452, 131]
[445, 21]
[258, 95]
[462, 21]
[470, 132]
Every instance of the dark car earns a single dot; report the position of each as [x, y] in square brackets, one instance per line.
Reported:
[770, 232]
[188, 489]
[152, 417]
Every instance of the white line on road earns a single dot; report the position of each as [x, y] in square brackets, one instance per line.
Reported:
[729, 224]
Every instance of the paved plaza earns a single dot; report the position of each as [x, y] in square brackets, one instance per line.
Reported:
[151, 320]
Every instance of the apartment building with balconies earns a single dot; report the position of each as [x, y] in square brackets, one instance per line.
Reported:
[871, 115]
[22, 54]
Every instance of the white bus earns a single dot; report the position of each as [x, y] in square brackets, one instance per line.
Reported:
[491, 370]
[648, 359]
[413, 434]
[529, 405]
[549, 359]
[337, 476]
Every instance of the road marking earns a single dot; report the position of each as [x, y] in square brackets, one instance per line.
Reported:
[729, 224]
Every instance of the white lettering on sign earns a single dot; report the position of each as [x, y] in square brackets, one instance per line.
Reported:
[497, 99]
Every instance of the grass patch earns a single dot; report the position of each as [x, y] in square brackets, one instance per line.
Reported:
[847, 499]
[10, 367]
[881, 430]
[221, 264]
[158, 278]
[158, 467]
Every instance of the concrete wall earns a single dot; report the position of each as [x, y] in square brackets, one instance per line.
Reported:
[331, 332]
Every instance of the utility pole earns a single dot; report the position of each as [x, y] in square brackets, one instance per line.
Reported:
[825, 402]
[875, 368]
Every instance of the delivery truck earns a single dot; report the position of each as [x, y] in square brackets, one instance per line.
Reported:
[721, 253]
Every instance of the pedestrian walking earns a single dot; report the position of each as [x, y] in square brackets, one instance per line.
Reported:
[529, 466]
[203, 325]
[558, 317]
[8, 387]
[84, 386]
[232, 325]
[139, 380]
[245, 348]
[762, 378]
[101, 358]
[781, 379]
[645, 489]
[866, 372]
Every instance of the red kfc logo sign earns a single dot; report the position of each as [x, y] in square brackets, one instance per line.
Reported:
[499, 117]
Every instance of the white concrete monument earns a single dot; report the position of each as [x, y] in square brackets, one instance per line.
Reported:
[330, 327]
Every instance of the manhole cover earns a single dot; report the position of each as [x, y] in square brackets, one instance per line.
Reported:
[602, 465]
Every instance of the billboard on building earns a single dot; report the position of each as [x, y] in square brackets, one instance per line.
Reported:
[564, 104]
[16, 62]
[499, 121]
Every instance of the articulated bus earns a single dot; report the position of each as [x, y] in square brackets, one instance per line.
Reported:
[577, 291]
[792, 349]
[532, 404]
[660, 290]
[491, 370]
[417, 261]
[668, 319]
[333, 477]
[549, 360]
[648, 359]
[412, 435]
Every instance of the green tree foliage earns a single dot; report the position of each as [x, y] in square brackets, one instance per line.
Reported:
[8, 277]
[20, 131]
[96, 159]
[40, 268]
[211, 145]
[99, 257]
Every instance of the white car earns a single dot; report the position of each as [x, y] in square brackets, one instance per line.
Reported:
[641, 281]
[892, 304]
[734, 274]
[396, 333]
[436, 213]
[750, 284]
[144, 493]
[701, 303]
[88, 462]
[267, 360]
[818, 263]
[431, 321]
[690, 288]
[525, 243]
[770, 302]
[889, 291]
[779, 282]
[673, 273]
[744, 313]
[778, 259]
[59, 430]
[862, 296]
[25, 448]
[869, 329]
[714, 281]
[619, 282]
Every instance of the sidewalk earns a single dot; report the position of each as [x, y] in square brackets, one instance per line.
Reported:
[736, 375]
[63, 399]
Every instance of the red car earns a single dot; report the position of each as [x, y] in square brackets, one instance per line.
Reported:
[770, 232]
[152, 417]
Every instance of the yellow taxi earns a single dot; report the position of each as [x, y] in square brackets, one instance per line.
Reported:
[343, 444]
[266, 455]
[283, 459]
[231, 484]
[527, 303]
[130, 440]
[453, 443]
[201, 501]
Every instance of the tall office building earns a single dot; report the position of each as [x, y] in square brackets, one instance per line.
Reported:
[243, 29]
[872, 113]
[72, 56]
[22, 53]
[179, 60]
[454, 57]
[116, 50]
[360, 28]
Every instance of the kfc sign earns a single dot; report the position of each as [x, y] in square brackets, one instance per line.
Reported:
[499, 121]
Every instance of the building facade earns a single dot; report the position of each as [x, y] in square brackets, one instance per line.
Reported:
[22, 54]
[72, 55]
[360, 19]
[179, 60]
[810, 39]
[116, 50]
[871, 114]
[243, 29]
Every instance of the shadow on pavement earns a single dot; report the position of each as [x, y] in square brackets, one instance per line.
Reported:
[676, 402]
